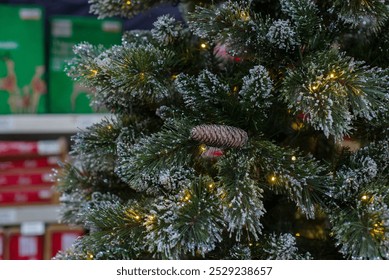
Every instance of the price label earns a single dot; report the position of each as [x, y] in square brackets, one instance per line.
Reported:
[7, 216]
[6, 123]
[32, 228]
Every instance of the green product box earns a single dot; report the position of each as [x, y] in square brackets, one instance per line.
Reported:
[22, 61]
[65, 95]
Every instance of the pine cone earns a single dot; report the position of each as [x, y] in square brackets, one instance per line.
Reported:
[219, 135]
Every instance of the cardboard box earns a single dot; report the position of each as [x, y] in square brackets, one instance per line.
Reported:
[33, 195]
[22, 64]
[23, 247]
[67, 96]
[27, 178]
[11, 165]
[60, 237]
[15, 149]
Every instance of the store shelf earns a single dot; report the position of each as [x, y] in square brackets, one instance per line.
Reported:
[47, 124]
[22, 214]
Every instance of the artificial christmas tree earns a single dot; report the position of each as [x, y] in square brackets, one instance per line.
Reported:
[237, 154]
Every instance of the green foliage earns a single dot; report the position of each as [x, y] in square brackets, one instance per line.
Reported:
[122, 8]
[332, 90]
[296, 76]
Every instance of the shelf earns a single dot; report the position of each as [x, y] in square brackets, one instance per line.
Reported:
[22, 214]
[47, 123]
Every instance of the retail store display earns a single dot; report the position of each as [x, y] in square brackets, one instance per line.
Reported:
[26, 168]
[67, 96]
[23, 247]
[60, 237]
[22, 65]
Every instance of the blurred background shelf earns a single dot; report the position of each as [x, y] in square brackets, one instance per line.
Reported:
[20, 214]
[47, 123]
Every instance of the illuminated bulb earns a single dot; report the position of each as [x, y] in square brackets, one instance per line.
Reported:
[211, 186]
[174, 77]
[109, 127]
[90, 256]
[235, 89]
[203, 148]
[186, 197]
[203, 45]
[128, 2]
[298, 234]
[222, 194]
[332, 75]
[297, 125]
[244, 16]
[378, 230]
[150, 219]
[142, 75]
[294, 158]
[364, 197]
[273, 178]
[137, 217]
[93, 72]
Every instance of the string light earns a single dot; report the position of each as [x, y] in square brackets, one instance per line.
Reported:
[211, 186]
[223, 194]
[142, 76]
[297, 125]
[244, 16]
[150, 221]
[378, 230]
[203, 148]
[203, 45]
[294, 158]
[366, 198]
[132, 215]
[313, 87]
[126, 5]
[89, 256]
[298, 234]
[187, 196]
[93, 73]
[272, 179]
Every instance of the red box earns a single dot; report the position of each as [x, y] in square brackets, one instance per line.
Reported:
[28, 163]
[21, 195]
[60, 238]
[28, 148]
[24, 247]
[27, 179]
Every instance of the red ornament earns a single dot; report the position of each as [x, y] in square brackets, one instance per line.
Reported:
[221, 51]
[212, 152]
